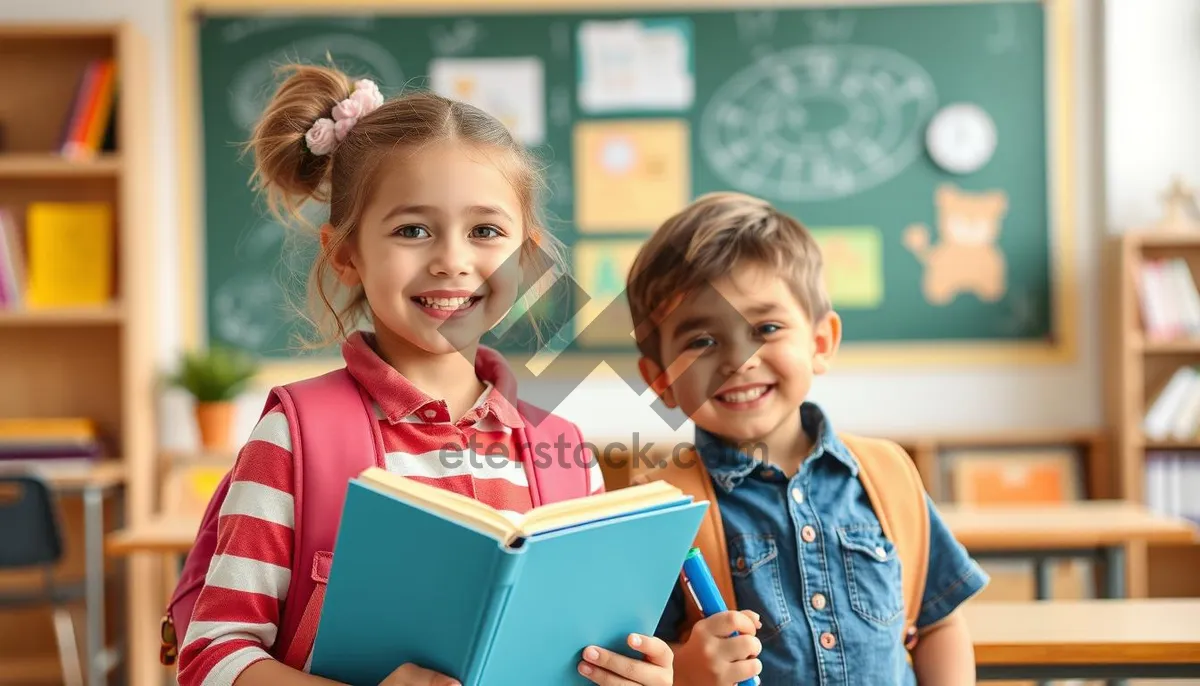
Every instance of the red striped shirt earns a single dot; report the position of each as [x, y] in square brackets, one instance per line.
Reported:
[236, 617]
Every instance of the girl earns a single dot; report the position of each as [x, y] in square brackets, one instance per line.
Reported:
[431, 225]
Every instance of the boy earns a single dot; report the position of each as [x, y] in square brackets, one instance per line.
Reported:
[735, 323]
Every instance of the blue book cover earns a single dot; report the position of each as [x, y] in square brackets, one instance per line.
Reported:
[486, 601]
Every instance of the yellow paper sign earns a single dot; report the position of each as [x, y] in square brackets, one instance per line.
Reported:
[601, 268]
[853, 259]
[630, 175]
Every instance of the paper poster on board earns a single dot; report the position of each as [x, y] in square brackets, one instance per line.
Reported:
[636, 65]
[853, 259]
[600, 269]
[630, 175]
[512, 89]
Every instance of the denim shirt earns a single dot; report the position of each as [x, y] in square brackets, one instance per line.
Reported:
[809, 556]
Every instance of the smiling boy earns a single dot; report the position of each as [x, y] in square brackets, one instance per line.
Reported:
[739, 326]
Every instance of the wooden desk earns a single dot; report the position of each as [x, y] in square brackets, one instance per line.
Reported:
[1090, 529]
[1089, 639]
[165, 535]
[1087, 524]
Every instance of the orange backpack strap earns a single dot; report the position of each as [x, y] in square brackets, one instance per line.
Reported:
[687, 473]
[894, 486]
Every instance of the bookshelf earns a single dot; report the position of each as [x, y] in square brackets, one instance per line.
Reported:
[1152, 314]
[93, 361]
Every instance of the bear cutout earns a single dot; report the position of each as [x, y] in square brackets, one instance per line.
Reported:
[966, 258]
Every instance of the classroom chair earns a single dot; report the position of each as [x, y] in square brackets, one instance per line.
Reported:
[32, 539]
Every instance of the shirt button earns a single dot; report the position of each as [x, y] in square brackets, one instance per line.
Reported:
[818, 602]
[828, 641]
[431, 413]
[797, 495]
[881, 553]
[809, 534]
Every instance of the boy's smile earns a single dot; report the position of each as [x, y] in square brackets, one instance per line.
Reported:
[740, 357]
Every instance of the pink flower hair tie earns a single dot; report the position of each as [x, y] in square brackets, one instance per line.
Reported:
[325, 133]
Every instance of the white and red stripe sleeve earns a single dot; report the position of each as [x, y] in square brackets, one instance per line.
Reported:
[236, 617]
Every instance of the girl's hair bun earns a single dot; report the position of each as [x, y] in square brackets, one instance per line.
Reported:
[284, 166]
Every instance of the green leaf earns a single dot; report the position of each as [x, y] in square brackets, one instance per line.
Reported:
[217, 374]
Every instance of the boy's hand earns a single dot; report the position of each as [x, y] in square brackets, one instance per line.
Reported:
[607, 668]
[412, 675]
[712, 657]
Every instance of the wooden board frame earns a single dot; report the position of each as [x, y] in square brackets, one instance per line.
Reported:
[1062, 178]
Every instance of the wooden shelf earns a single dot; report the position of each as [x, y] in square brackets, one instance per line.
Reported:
[26, 671]
[1164, 240]
[50, 165]
[70, 316]
[96, 362]
[1182, 346]
[1136, 369]
[1172, 445]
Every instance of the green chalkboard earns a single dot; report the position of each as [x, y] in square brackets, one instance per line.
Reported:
[828, 113]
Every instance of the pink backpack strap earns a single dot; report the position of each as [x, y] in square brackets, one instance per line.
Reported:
[334, 438]
[556, 459]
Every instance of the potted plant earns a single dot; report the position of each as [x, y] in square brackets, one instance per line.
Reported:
[215, 377]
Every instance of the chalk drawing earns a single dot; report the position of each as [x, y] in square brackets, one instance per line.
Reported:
[831, 27]
[755, 27]
[818, 122]
[1005, 38]
[255, 83]
[244, 307]
[460, 38]
[560, 106]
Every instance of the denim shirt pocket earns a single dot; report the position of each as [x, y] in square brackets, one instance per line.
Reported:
[873, 573]
[754, 562]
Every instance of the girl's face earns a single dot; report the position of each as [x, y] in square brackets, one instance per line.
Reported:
[437, 248]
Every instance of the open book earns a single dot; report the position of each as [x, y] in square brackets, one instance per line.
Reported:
[427, 576]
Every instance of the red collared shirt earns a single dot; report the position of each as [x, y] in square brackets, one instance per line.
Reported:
[236, 618]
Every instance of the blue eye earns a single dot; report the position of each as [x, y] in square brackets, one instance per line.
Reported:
[768, 329]
[411, 231]
[486, 231]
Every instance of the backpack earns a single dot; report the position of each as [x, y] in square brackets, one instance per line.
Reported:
[893, 485]
[334, 438]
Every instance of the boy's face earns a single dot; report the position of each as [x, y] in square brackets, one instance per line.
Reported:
[741, 354]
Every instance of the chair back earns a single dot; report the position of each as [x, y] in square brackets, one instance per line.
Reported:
[29, 520]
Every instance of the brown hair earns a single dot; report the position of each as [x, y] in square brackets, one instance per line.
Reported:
[704, 241]
[290, 175]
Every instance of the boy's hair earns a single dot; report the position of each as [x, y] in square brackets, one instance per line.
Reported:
[291, 176]
[705, 240]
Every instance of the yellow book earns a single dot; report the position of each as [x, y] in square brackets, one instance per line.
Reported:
[61, 428]
[70, 247]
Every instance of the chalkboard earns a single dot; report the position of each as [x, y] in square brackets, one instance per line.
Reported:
[914, 140]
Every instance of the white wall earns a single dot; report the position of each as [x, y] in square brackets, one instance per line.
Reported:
[1144, 43]
[1152, 104]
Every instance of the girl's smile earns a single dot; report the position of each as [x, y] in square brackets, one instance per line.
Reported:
[447, 304]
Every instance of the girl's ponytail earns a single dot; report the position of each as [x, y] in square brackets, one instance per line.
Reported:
[285, 168]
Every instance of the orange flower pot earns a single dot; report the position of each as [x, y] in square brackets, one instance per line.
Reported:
[215, 423]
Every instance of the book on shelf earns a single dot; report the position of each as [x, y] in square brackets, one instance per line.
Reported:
[69, 253]
[1174, 413]
[12, 261]
[1172, 480]
[424, 575]
[40, 441]
[1168, 299]
[90, 125]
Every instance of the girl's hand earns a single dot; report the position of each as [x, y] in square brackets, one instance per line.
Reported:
[412, 675]
[607, 668]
